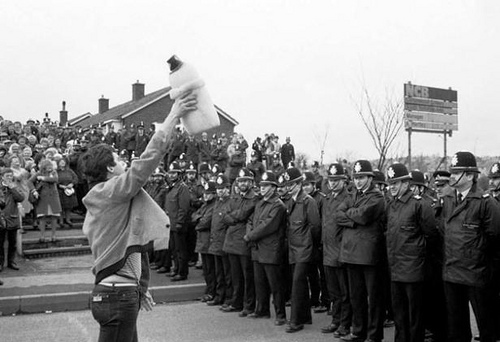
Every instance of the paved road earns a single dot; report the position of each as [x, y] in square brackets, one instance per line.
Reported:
[170, 322]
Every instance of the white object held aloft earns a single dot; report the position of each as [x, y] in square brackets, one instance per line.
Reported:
[184, 77]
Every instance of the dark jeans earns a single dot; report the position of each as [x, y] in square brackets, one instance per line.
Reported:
[116, 310]
[11, 241]
[208, 264]
[269, 280]
[224, 287]
[338, 287]
[367, 301]
[407, 301]
[457, 305]
[181, 255]
[300, 312]
[243, 283]
[317, 283]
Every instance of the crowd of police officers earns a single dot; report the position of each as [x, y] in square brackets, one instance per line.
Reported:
[368, 247]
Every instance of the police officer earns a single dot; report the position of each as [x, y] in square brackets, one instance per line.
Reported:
[196, 192]
[266, 235]
[410, 222]
[178, 207]
[241, 208]
[303, 228]
[362, 244]
[335, 271]
[470, 229]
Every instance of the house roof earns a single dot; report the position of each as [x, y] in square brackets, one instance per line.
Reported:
[79, 118]
[128, 108]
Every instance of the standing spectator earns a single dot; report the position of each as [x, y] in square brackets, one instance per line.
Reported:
[10, 221]
[258, 148]
[361, 248]
[111, 138]
[303, 229]
[192, 150]
[129, 140]
[66, 187]
[141, 140]
[256, 167]
[237, 159]
[205, 149]
[176, 149]
[275, 165]
[48, 205]
[287, 153]
[219, 155]
[21, 177]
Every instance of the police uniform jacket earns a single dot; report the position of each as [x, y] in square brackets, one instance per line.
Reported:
[470, 229]
[203, 219]
[177, 206]
[303, 227]
[240, 210]
[331, 234]
[362, 237]
[218, 228]
[266, 231]
[410, 221]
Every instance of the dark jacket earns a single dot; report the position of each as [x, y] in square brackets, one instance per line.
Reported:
[410, 222]
[177, 206]
[470, 230]
[218, 227]
[203, 220]
[331, 234]
[303, 227]
[362, 238]
[11, 196]
[266, 231]
[141, 141]
[258, 170]
[240, 210]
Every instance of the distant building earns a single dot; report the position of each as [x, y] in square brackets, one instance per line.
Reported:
[149, 108]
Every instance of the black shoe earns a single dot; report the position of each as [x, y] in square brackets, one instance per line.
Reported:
[256, 315]
[154, 267]
[341, 331]
[13, 266]
[230, 308]
[214, 302]
[320, 309]
[280, 321]
[162, 270]
[330, 328]
[171, 274]
[1, 268]
[178, 277]
[352, 338]
[245, 313]
[294, 327]
[477, 338]
[1, 283]
[388, 323]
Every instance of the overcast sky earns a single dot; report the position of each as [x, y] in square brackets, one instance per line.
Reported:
[288, 67]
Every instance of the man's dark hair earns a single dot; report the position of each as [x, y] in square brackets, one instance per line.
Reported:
[94, 163]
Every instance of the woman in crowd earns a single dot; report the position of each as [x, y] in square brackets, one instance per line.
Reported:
[67, 196]
[48, 205]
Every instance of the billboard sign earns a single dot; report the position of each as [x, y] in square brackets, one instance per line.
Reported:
[430, 109]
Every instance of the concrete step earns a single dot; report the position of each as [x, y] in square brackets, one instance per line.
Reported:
[56, 251]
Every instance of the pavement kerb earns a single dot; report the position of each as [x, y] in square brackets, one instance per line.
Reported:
[73, 301]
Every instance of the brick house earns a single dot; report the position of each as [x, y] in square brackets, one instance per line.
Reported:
[149, 108]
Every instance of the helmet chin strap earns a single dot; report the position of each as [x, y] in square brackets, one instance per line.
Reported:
[458, 180]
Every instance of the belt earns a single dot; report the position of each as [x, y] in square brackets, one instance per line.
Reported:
[118, 284]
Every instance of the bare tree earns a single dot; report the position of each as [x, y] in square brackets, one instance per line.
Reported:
[321, 140]
[382, 121]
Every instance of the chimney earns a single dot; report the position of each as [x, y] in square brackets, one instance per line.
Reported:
[103, 105]
[63, 115]
[137, 91]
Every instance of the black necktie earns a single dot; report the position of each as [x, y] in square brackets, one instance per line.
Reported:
[460, 197]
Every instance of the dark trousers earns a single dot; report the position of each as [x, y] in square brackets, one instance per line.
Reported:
[300, 312]
[269, 280]
[224, 288]
[317, 284]
[434, 301]
[338, 287]
[367, 301]
[116, 310]
[11, 235]
[208, 265]
[191, 243]
[243, 283]
[181, 255]
[407, 301]
[457, 305]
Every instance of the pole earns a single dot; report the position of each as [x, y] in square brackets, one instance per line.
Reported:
[409, 148]
[445, 164]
